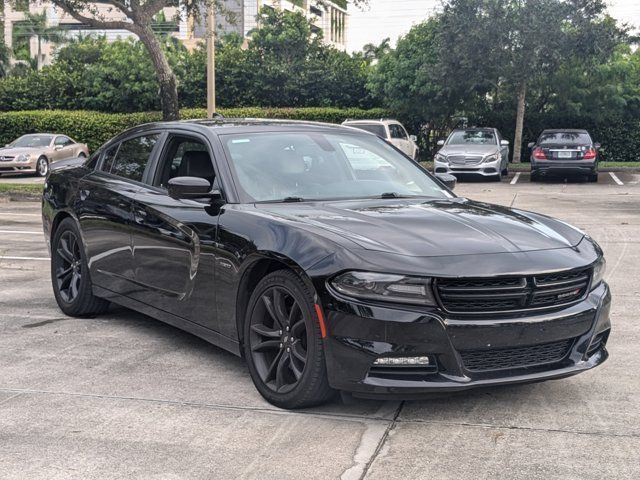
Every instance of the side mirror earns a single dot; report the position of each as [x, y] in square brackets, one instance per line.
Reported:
[531, 144]
[597, 146]
[413, 138]
[504, 143]
[191, 187]
[58, 148]
[440, 143]
[449, 181]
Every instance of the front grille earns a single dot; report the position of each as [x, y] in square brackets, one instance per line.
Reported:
[482, 295]
[6, 159]
[516, 357]
[465, 159]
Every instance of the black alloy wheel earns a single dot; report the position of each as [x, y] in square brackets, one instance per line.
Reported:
[283, 344]
[70, 276]
[278, 339]
[68, 271]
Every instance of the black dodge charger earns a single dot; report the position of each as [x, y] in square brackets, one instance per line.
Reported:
[326, 258]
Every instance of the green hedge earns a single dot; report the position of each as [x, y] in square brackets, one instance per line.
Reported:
[94, 128]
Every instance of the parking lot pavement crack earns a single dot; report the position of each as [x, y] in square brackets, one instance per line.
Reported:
[371, 443]
[213, 406]
[10, 398]
[522, 428]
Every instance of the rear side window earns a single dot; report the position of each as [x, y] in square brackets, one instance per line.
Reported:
[374, 128]
[564, 138]
[397, 131]
[131, 157]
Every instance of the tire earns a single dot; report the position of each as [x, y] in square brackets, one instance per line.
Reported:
[42, 166]
[535, 176]
[505, 172]
[70, 278]
[82, 155]
[593, 178]
[281, 328]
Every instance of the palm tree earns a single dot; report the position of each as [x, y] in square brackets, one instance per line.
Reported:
[35, 25]
[373, 53]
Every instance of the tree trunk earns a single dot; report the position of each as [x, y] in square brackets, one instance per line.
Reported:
[39, 59]
[166, 77]
[517, 141]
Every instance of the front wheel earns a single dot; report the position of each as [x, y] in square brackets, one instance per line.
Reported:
[283, 343]
[42, 167]
[72, 286]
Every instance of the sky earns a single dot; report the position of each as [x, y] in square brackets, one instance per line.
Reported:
[393, 18]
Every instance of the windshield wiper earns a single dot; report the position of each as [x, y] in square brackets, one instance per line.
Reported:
[391, 195]
[292, 199]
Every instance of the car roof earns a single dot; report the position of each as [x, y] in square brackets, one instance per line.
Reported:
[221, 126]
[380, 121]
[560, 130]
[475, 129]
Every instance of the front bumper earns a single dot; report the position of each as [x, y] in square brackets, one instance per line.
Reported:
[359, 333]
[488, 169]
[18, 167]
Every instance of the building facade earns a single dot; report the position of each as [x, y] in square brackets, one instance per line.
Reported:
[328, 17]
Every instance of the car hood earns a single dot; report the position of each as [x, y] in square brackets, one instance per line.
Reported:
[428, 228]
[14, 152]
[469, 149]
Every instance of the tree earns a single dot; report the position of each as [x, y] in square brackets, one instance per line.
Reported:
[138, 18]
[35, 25]
[373, 53]
[503, 45]
[4, 60]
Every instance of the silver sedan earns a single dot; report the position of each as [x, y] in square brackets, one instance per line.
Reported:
[476, 151]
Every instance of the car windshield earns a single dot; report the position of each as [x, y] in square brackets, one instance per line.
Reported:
[564, 138]
[298, 166]
[472, 137]
[374, 128]
[32, 141]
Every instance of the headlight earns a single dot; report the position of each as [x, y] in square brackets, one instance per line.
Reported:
[385, 287]
[25, 157]
[599, 269]
[492, 158]
[440, 158]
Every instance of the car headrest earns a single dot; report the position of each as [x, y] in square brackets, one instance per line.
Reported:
[196, 164]
[290, 162]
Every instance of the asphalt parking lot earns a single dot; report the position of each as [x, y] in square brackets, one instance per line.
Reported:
[122, 395]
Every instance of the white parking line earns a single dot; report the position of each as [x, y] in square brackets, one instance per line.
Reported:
[615, 178]
[6, 257]
[21, 214]
[26, 232]
[515, 178]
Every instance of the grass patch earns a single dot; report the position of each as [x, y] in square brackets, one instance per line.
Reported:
[21, 190]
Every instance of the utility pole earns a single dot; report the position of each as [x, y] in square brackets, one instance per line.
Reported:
[211, 58]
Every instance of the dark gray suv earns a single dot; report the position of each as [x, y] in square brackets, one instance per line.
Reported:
[564, 152]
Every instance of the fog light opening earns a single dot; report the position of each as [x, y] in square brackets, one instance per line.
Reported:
[403, 361]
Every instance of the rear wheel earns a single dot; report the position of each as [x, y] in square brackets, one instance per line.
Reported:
[593, 178]
[283, 343]
[82, 155]
[535, 176]
[70, 273]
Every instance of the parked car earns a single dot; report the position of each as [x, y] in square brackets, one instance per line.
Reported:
[564, 152]
[34, 153]
[392, 131]
[283, 243]
[475, 151]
